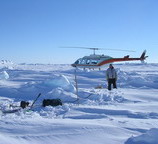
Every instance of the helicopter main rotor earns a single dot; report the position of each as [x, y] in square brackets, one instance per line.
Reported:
[95, 48]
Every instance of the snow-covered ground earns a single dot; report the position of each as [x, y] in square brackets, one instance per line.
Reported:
[127, 115]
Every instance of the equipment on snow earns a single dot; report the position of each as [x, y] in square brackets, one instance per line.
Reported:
[51, 102]
[35, 100]
[24, 104]
[99, 87]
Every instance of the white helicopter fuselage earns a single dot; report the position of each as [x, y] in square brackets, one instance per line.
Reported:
[98, 61]
[92, 61]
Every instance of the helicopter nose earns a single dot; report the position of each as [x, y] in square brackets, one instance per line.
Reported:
[73, 65]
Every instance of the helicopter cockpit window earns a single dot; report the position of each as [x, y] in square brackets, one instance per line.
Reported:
[88, 61]
[94, 61]
[83, 61]
[78, 61]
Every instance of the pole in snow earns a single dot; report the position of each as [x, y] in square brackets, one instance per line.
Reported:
[76, 85]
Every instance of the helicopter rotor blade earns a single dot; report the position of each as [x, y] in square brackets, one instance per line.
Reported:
[83, 48]
[95, 48]
[121, 50]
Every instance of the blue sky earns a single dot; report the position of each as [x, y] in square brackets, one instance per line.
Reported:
[32, 31]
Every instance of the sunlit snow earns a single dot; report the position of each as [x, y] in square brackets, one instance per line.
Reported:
[127, 115]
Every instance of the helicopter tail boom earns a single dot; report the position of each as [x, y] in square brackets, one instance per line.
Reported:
[125, 58]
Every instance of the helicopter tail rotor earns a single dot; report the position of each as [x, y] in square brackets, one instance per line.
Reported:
[143, 57]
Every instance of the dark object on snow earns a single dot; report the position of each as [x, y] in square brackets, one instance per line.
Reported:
[51, 102]
[24, 104]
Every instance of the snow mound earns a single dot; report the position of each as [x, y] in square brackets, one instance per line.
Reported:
[59, 93]
[4, 75]
[60, 81]
[54, 112]
[150, 137]
[136, 79]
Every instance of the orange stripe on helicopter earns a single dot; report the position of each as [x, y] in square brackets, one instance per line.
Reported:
[118, 60]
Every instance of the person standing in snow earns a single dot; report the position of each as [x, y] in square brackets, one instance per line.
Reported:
[111, 76]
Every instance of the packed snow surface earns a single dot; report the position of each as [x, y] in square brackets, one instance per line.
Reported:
[127, 115]
[4, 75]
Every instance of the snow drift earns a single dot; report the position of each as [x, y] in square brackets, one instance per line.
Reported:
[4, 75]
[150, 137]
[60, 81]
[93, 116]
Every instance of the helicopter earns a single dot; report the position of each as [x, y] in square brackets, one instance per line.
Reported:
[97, 61]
